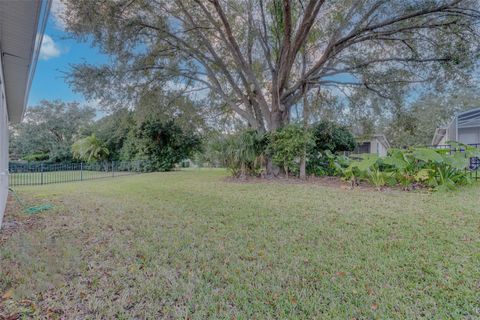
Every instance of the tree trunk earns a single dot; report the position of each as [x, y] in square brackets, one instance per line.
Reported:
[303, 165]
[243, 171]
[277, 122]
[303, 159]
[272, 170]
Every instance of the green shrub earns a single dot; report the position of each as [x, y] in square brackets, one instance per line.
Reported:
[242, 153]
[329, 138]
[163, 144]
[441, 170]
[287, 146]
[437, 169]
[326, 163]
[403, 165]
[328, 135]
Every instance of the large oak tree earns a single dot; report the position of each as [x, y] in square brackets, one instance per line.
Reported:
[257, 59]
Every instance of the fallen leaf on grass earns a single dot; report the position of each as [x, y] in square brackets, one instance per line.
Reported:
[374, 306]
[8, 294]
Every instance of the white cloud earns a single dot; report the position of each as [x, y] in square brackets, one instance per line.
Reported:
[57, 11]
[49, 48]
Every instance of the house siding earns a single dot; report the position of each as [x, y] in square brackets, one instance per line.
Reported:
[376, 147]
[469, 135]
[3, 148]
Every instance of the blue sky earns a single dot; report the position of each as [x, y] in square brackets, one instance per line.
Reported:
[56, 55]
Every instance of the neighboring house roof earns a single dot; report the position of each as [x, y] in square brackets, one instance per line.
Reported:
[22, 24]
[467, 119]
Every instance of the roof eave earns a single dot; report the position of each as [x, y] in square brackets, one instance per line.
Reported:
[20, 45]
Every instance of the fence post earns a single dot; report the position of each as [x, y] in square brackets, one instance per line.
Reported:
[81, 171]
[113, 170]
[41, 173]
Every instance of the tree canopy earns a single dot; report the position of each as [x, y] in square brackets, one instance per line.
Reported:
[50, 129]
[164, 144]
[257, 58]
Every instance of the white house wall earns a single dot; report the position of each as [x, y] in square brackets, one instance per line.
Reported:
[376, 147]
[22, 25]
[383, 151]
[3, 150]
[469, 135]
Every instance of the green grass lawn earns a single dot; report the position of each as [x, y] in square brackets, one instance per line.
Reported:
[191, 245]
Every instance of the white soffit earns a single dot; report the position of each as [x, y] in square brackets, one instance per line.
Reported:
[22, 23]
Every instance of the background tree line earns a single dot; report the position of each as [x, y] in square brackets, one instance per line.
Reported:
[185, 67]
[267, 63]
[169, 127]
[56, 131]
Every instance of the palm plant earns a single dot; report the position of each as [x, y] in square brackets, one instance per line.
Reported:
[90, 149]
[249, 151]
[403, 166]
[241, 153]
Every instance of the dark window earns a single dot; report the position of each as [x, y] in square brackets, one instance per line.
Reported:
[363, 148]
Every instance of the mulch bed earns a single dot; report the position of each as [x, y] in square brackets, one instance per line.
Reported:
[325, 181]
[334, 182]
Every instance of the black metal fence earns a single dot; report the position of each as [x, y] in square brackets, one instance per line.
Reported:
[454, 148]
[29, 174]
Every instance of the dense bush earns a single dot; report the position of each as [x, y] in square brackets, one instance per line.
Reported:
[114, 129]
[242, 153]
[330, 136]
[245, 153]
[436, 169]
[288, 144]
[164, 144]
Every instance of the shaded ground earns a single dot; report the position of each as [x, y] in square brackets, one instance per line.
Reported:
[326, 181]
[192, 245]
